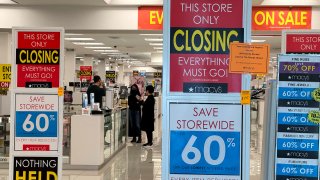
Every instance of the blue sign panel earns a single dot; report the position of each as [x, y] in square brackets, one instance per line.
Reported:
[36, 124]
[295, 93]
[298, 144]
[297, 170]
[205, 152]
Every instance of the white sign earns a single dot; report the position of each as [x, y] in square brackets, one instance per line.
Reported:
[36, 122]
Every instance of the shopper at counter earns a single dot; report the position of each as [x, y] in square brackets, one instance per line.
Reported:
[147, 122]
[134, 113]
[98, 89]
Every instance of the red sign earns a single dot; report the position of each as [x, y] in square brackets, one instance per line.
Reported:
[200, 36]
[302, 43]
[206, 13]
[85, 73]
[4, 84]
[150, 18]
[35, 147]
[278, 18]
[38, 59]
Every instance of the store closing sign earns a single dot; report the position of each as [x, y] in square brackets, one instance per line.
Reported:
[36, 122]
[199, 49]
[205, 141]
[5, 78]
[278, 18]
[85, 73]
[35, 168]
[38, 58]
[302, 43]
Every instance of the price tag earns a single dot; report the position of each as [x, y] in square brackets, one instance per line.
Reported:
[314, 116]
[316, 95]
[60, 91]
[245, 97]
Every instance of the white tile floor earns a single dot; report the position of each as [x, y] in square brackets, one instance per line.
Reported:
[136, 163]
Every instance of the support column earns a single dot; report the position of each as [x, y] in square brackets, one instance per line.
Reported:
[5, 53]
[101, 68]
[69, 68]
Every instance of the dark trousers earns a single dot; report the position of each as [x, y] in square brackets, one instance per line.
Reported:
[135, 120]
[149, 136]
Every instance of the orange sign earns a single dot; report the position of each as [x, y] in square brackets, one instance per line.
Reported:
[150, 18]
[278, 18]
[249, 58]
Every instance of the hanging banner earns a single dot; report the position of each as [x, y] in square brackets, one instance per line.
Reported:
[157, 75]
[298, 136]
[205, 141]
[37, 168]
[85, 73]
[298, 43]
[279, 18]
[199, 45]
[36, 122]
[110, 76]
[150, 18]
[38, 57]
[5, 78]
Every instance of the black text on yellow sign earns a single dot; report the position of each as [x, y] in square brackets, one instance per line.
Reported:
[37, 56]
[85, 73]
[5, 72]
[203, 40]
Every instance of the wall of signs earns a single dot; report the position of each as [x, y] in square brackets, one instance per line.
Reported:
[297, 152]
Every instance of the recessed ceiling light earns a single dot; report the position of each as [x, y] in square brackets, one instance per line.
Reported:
[115, 53]
[151, 34]
[154, 39]
[158, 48]
[156, 44]
[98, 47]
[7, 2]
[106, 50]
[79, 39]
[257, 40]
[87, 43]
[79, 57]
[159, 51]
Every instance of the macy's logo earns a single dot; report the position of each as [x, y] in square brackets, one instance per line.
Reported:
[205, 89]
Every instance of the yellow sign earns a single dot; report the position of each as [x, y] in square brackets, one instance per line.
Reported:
[5, 72]
[316, 95]
[314, 116]
[245, 97]
[249, 58]
[60, 91]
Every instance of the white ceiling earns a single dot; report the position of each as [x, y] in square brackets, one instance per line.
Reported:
[61, 2]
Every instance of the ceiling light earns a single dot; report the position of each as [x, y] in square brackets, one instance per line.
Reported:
[79, 57]
[89, 44]
[154, 39]
[256, 40]
[79, 39]
[106, 50]
[159, 51]
[72, 34]
[107, 1]
[99, 47]
[7, 2]
[158, 48]
[156, 44]
[151, 34]
[111, 53]
[257, 36]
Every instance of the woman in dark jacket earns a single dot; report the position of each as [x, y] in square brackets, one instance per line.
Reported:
[134, 113]
[147, 122]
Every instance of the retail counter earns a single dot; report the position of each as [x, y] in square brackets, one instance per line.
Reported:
[96, 138]
[88, 141]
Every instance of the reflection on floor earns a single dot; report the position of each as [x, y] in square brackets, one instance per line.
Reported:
[138, 163]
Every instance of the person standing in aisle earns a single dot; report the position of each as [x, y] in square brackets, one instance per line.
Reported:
[134, 113]
[98, 89]
[147, 122]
